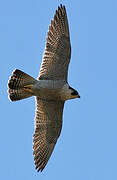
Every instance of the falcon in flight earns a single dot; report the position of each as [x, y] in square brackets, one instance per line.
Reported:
[51, 89]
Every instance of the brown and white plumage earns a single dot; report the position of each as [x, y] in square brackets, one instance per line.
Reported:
[48, 124]
[51, 89]
[16, 83]
[57, 53]
[54, 66]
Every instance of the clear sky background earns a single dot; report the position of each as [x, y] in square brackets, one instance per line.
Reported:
[87, 147]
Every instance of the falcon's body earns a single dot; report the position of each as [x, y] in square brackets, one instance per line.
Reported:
[51, 88]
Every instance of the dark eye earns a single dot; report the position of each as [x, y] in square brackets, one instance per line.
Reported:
[74, 93]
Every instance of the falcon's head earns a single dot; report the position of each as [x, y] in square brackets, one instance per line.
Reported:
[68, 92]
[74, 93]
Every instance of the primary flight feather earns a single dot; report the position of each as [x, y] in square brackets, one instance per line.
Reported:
[51, 89]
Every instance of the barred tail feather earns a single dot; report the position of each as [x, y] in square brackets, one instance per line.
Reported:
[15, 95]
[17, 83]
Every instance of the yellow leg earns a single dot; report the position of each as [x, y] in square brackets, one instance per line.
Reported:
[28, 88]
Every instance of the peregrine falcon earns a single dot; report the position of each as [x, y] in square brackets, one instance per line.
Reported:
[51, 89]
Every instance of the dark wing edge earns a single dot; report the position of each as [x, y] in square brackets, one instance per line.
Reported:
[57, 53]
[48, 124]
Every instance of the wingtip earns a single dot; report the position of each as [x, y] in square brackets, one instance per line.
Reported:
[61, 11]
[61, 6]
[39, 169]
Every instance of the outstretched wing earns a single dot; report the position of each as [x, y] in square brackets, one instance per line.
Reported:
[57, 53]
[48, 124]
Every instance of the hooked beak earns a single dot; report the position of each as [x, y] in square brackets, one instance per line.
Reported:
[78, 96]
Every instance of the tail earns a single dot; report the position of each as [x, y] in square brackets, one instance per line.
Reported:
[19, 85]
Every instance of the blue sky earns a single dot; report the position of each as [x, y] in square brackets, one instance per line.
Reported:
[87, 147]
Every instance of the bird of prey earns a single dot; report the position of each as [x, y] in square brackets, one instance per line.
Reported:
[51, 88]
